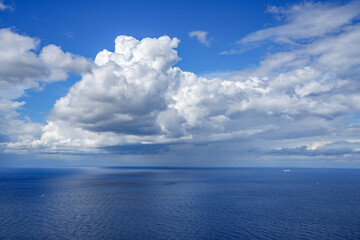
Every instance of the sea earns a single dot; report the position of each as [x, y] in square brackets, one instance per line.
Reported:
[179, 203]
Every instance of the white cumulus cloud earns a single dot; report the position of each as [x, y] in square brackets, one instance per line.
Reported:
[22, 68]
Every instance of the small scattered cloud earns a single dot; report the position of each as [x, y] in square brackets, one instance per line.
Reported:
[69, 35]
[4, 6]
[233, 51]
[201, 36]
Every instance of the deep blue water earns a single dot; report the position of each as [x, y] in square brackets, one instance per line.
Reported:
[118, 203]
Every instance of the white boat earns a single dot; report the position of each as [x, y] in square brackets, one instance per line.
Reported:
[286, 170]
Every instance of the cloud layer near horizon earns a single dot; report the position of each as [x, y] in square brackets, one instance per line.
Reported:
[300, 102]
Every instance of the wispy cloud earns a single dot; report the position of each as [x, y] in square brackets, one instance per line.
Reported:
[201, 36]
[307, 20]
[300, 23]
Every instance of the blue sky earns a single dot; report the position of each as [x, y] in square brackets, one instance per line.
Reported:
[189, 83]
[69, 27]
[71, 24]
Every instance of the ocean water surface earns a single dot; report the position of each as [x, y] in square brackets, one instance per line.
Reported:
[165, 203]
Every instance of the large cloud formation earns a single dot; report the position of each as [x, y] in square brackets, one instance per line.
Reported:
[301, 102]
[135, 95]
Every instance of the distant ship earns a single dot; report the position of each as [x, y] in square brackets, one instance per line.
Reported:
[286, 170]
